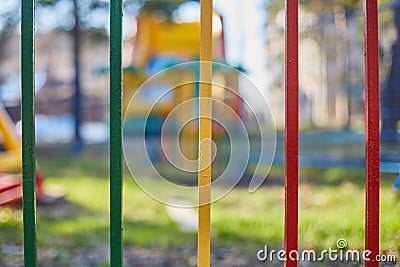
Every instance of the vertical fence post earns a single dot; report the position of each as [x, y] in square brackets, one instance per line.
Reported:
[28, 132]
[205, 134]
[372, 128]
[291, 133]
[116, 253]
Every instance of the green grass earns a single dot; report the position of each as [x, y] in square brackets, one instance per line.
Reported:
[332, 204]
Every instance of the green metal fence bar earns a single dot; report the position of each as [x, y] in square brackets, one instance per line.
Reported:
[28, 132]
[115, 133]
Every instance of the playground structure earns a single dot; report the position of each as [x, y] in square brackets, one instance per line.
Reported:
[291, 176]
[10, 163]
[159, 44]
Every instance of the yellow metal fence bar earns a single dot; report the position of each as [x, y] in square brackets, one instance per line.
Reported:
[205, 129]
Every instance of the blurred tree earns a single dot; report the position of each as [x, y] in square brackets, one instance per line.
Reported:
[77, 109]
[313, 6]
[391, 93]
[82, 15]
[338, 59]
[90, 15]
[9, 19]
[325, 11]
[82, 11]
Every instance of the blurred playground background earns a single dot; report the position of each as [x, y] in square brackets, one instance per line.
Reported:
[72, 110]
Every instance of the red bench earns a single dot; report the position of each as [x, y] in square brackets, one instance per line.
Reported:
[11, 188]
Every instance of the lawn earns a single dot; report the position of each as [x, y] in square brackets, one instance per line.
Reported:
[75, 232]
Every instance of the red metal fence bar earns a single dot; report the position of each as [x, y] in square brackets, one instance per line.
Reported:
[372, 128]
[292, 130]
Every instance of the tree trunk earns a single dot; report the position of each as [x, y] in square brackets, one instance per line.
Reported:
[77, 145]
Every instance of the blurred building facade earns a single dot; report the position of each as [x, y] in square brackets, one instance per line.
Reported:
[331, 67]
[55, 75]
